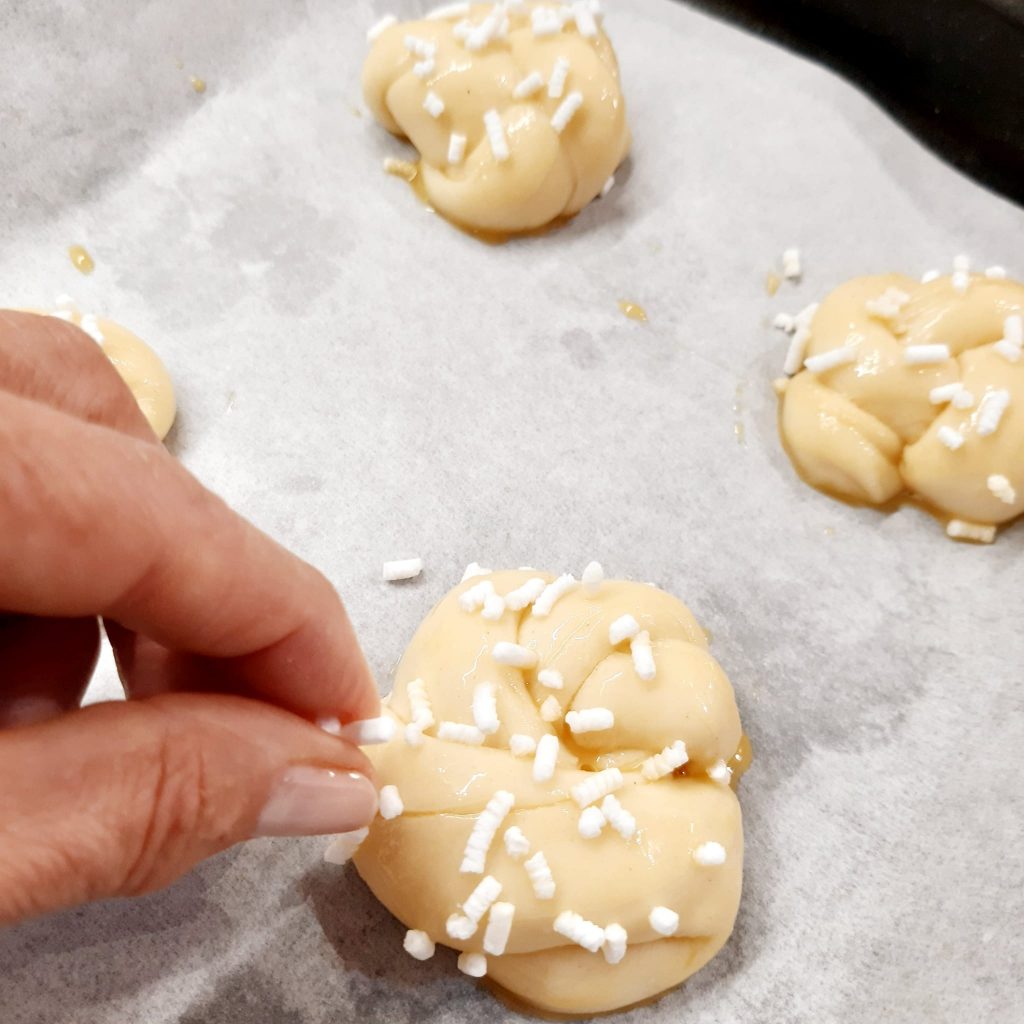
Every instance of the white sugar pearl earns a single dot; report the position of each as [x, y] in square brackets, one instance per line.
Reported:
[418, 945]
[663, 920]
[391, 805]
[591, 822]
[709, 855]
[473, 964]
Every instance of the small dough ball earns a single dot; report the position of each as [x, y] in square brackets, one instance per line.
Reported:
[430, 82]
[907, 416]
[413, 862]
[139, 366]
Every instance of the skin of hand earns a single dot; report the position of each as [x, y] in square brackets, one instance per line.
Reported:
[229, 648]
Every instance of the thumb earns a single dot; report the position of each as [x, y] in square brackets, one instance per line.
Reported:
[118, 799]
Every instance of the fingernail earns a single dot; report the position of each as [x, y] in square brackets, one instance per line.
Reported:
[308, 801]
[29, 711]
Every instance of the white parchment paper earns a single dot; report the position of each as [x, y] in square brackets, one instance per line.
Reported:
[365, 382]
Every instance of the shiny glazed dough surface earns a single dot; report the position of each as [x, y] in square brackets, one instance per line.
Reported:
[412, 862]
[869, 432]
[141, 369]
[547, 175]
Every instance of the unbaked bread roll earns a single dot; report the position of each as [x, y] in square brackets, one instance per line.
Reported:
[486, 699]
[515, 108]
[914, 388]
[139, 366]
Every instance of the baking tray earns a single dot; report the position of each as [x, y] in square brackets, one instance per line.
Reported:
[365, 382]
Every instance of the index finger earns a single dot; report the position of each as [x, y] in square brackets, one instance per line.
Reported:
[131, 535]
[55, 362]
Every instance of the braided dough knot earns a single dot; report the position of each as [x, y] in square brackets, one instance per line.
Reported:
[585, 654]
[930, 400]
[555, 100]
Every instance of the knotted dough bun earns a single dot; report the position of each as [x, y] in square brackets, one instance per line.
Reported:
[412, 862]
[547, 175]
[869, 431]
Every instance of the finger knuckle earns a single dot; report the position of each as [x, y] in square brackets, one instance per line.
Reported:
[170, 821]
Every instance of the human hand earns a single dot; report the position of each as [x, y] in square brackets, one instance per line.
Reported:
[228, 646]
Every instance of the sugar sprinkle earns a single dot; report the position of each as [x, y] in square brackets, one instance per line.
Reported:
[710, 855]
[475, 597]
[496, 135]
[433, 104]
[418, 945]
[553, 593]
[545, 21]
[597, 786]
[551, 709]
[660, 765]
[1000, 487]
[505, 653]
[579, 930]
[484, 830]
[625, 627]
[663, 920]
[888, 305]
[390, 803]
[593, 577]
[532, 83]
[485, 708]
[518, 599]
[539, 873]
[643, 656]
[499, 928]
[481, 899]
[460, 732]
[960, 529]
[369, 731]
[456, 148]
[517, 846]
[494, 607]
[474, 965]
[590, 720]
[402, 569]
[951, 438]
[618, 817]
[591, 822]
[919, 355]
[791, 269]
[566, 111]
[993, 405]
[586, 25]
[615, 942]
[521, 745]
[551, 678]
[545, 758]
[559, 74]
[831, 359]
[944, 393]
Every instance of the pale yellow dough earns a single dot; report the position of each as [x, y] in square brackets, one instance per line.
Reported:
[412, 862]
[868, 431]
[547, 175]
[140, 368]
